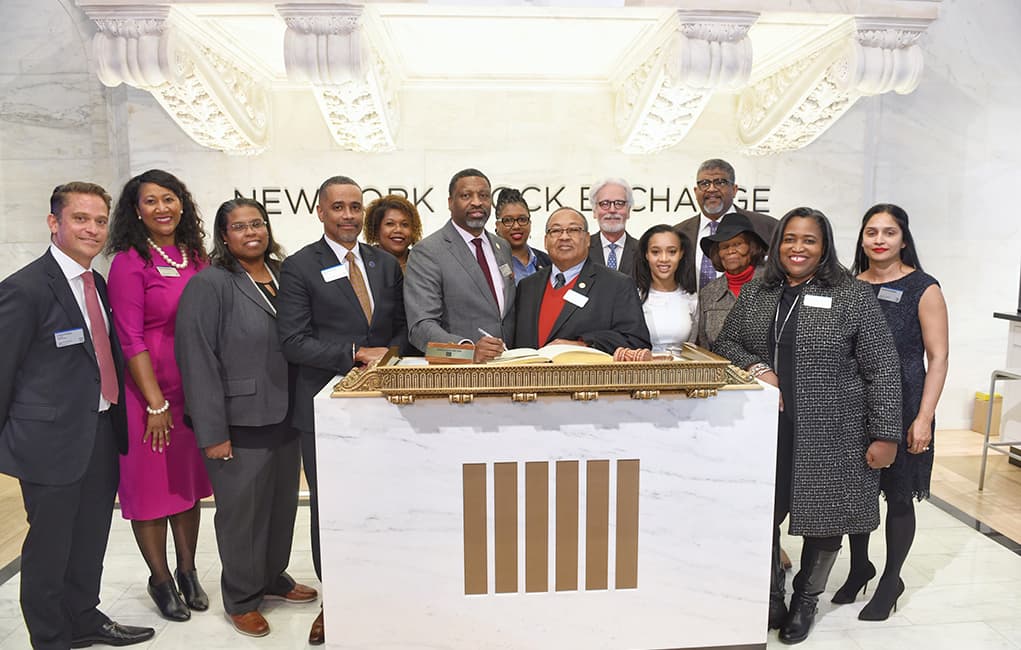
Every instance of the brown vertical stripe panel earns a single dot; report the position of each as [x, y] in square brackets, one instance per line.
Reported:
[597, 523]
[567, 526]
[505, 526]
[473, 479]
[537, 527]
[627, 524]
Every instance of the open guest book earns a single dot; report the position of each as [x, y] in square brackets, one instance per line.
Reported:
[559, 353]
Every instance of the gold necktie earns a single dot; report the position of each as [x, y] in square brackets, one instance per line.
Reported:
[354, 274]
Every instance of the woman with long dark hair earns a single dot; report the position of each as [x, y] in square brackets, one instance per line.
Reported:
[156, 235]
[666, 286]
[886, 259]
[238, 392]
[813, 331]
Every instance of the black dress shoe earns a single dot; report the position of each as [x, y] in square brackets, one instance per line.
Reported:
[114, 634]
[192, 591]
[169, 602]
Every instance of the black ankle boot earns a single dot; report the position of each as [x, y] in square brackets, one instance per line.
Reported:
[856, 581]
[192, 591]
[808, 585]
[777, 578]
[168, 601]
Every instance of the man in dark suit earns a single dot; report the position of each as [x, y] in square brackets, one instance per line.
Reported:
[715, 189]
[460, 285]
[61, 382]
[341, 304]
[575, 300]
[612, 246]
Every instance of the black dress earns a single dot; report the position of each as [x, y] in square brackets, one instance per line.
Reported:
[910, 473]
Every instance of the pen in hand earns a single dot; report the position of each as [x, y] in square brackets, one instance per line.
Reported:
[485, 333]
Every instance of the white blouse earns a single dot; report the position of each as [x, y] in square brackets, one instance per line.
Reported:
[670, 316]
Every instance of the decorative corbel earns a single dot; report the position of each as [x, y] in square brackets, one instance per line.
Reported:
[324, 46]
[217, 102]
[658, 100]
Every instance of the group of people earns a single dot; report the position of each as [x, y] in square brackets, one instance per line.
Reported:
[193, 373]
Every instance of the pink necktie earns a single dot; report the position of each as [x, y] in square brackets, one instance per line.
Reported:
[100, 341]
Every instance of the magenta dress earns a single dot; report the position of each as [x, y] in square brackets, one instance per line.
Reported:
[154, 485]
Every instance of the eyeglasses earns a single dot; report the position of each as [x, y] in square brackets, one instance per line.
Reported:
[254, 224]
[718, 183]
[616, 203]
[510, 221]
[572, 231]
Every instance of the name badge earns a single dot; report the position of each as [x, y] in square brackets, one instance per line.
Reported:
[69, 337]
[505, 270]
[822, 302]
[168, 271]
[575, 298]
[890, 295]
[334, 273]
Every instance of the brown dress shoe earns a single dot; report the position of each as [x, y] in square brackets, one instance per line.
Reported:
[299, 593]
[317, 635]
[250, 623]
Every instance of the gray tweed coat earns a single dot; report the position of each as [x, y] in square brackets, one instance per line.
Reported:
[847, 390]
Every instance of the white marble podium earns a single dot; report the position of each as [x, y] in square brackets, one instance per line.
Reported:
[557, 524]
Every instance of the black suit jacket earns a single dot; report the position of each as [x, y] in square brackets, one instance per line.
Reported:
[625, 258]
[49, 396]
[763, 224]
[318, 321]
[611, 318]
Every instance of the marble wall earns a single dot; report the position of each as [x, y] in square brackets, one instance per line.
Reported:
[949, 149]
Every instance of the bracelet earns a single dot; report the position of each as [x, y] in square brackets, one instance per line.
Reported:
[161, 410]
[758, 369]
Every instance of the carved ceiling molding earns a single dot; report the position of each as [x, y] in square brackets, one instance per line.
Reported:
[659, 100]
[216, 101]
[325, 46]
[794, 106]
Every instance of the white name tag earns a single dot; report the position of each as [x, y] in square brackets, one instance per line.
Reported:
[575, 298]
[69, 337]
[822, 302]
[168, 271]
[334, 273]
[505, 270]
[890, 295]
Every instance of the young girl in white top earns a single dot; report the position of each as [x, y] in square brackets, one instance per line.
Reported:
[666, 287]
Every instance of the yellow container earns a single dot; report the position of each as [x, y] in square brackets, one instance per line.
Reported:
[981, 412]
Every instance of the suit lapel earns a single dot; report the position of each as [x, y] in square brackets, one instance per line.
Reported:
[62, 293]
[582, 285]
[460, 252]
[247, 286]
[501, 252]
[328, 258]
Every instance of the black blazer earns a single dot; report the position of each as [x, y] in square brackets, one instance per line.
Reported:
[542, 260]
[626, 260]
[611, 318]
[233, 370]
[49, 395]
[318, 321]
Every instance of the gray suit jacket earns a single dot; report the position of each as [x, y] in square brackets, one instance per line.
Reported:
[446, 294]
[714, 303]
[232, 368]
[626, 259]
[764, 226]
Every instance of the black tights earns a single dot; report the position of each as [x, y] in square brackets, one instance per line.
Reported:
[900, 533]
[151, 537]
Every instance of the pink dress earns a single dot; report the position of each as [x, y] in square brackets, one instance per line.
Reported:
[144, 303]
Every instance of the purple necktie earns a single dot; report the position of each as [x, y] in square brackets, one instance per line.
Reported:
[707, 273]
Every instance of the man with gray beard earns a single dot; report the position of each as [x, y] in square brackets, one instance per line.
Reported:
[612, 246]
[459, 284]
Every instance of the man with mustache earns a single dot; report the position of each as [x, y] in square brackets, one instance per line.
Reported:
[612, 246]
[715, 189]
[459, 283]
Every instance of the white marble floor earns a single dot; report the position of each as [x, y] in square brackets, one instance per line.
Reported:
[963, 592]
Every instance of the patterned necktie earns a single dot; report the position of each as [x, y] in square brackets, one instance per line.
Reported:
[707, 273]
[354, 275]
[611, 259]
[559, 281]
[481, 257]
[100, 341]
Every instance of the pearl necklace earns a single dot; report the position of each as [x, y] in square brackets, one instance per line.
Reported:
[183, 264]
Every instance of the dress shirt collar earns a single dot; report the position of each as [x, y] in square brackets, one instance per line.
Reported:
[569, 274]
[70, 268]
[341, 251]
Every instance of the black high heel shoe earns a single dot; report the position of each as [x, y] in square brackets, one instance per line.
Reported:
[879, 607]
[855, 582]
[168, 601]
[192, 591]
